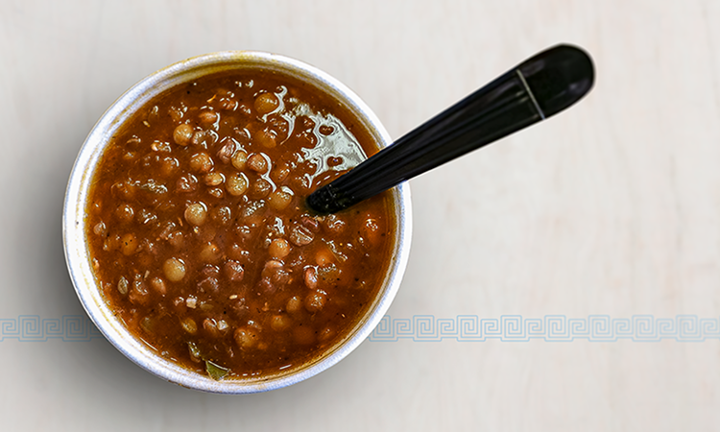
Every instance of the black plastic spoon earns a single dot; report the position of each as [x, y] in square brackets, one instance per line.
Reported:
[534, 90]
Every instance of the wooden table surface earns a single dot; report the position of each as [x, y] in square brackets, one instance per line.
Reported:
[566, 278]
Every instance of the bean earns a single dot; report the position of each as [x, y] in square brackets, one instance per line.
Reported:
[280, 199]
[257, 163]
[123, 286]
[222, 215]
[324, 257]
[334, 224]
[179, 304]
[280, 322]
[194, 352]
[196, 213]
[128, 244]
[227, 150]
[333, 161]
[301, 183]
[125, 213]
[147, 216]
[279, 248]
[176, 113]
[253, 212]
[198, 138]
[315, 301]
[214, 179]
[207, 117]
[169, 166]
[267, 287]
[183, 134]
[187, 184]
[301, 235]
[272, 268]
[245, 337]
[275, 227]
[239, 159]
[160, 146]
[236, 184]
[293, 305]
[124, 189]
[311, 278]
[280, 173]
[174, 269]
[260, 189]
[371, 230]
[146, 324]
[216, 192]
[234, 271]
[158, 285]
[269, 272]
[267, 138]
[227, 104]
[176, 239]
[310, 223]
[279, 127]
[201, 162]
[211, 327]
[245, 109]
[100, 229]
[209, 284]
[189, 325]
[237, 253]
[112, 243]
[154, 113]
[266, 103]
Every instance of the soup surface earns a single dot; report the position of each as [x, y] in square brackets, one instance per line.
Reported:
[199, 236]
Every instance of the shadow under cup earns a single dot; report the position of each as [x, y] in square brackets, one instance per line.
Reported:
[77, 252]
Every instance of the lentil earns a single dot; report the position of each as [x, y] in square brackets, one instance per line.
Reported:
[236, 184]
[266, 103]
[196, 213]
[174, 269]
[279, 248]
[201, 163]
[239, 159]
[183, 134]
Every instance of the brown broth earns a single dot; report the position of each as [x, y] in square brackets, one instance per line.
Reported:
[199, 236]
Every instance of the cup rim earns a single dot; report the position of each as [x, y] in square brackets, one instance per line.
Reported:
[74, 224]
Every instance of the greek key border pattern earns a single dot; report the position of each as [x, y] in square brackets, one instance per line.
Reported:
[427, 328]
[32, 328]
[551, 328]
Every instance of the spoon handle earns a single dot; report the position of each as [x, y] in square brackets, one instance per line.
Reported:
[534, 90]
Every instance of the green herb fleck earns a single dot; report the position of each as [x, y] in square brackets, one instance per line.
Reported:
[216, 372]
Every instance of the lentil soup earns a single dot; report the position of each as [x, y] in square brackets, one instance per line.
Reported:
[198, 234]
